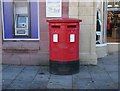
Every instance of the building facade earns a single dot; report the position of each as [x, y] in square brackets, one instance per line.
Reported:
[0, 40]
[25, 33]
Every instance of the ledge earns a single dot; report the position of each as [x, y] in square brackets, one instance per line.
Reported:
[20, 46]
[19, 50]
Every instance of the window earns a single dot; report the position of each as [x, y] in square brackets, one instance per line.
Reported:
[98, 27]
[20, 19]
[114, 3]
[113, 22]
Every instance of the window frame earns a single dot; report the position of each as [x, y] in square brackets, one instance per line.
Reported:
[11, 39]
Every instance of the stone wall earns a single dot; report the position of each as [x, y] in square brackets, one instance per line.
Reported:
[86, 11]
[30, 52]
[0, 50]
[37, 52]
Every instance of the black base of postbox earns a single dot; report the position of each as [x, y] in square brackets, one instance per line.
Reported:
[63, 68]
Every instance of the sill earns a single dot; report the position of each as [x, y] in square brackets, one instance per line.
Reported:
[100, 45]
[20, 39]
[20, 46]
[19, 50]
[116, 43]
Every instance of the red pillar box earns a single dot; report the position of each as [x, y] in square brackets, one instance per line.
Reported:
[64, 46]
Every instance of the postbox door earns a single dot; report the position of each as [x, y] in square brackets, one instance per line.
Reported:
[64, 42]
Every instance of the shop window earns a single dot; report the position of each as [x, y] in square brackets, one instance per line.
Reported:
[113, 22]
[20, 20]
[116, 3]
[110, 4]
[113, 26]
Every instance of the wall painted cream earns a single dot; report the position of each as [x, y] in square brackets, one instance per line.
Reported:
[113, 47]
[87, 33]
[101, 49]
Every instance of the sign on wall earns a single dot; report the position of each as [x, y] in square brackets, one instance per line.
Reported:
[53, 8]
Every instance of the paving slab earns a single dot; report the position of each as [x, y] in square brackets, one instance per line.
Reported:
[60, 82]
[110, 61]
[9, 75]
[83, 69]
[114, 76]
[28, 74]
[104, 84]
[44, 70]
[4, 66]
[100, 75]
[31, 68]
[0, 77]
[20, 85]
[96, 70]
[11, 72]
[13, 68]
[25, 77]
[82, 75]
[0, 87]
[1, 68]
[111, 67]
[6, 83]
[38, 85]
[101, 66]
[41, 77]
[85, 83]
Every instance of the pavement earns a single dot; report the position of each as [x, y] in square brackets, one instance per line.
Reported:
[102, 76]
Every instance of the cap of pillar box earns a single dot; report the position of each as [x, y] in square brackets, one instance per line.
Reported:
[64, 20]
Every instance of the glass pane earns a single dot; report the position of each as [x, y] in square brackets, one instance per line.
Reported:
[22, 21]
[113, 23]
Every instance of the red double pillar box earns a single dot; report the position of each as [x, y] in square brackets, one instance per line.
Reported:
[64, 45]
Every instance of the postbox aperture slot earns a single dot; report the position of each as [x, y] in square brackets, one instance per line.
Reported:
[55, 26]
[71, 26]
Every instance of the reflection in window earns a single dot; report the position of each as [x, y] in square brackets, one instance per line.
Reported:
[115, 3]
[113, 23]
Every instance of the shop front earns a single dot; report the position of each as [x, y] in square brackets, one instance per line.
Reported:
[107, 39]
[113, 19]
[25, 33]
